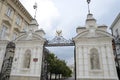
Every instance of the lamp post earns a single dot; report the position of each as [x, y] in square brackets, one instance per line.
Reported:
[88, 1]
[35, 7]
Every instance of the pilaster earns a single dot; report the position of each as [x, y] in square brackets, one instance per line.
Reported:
[104, 61]
[85, 53]
[40, 58]
[2, 11]
[110, 62]
[80, 65]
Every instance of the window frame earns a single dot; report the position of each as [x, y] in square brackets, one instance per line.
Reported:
[18, 20]
[9, 11]
[3, 32]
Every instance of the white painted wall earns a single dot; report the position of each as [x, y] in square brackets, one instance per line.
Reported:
[107, 64]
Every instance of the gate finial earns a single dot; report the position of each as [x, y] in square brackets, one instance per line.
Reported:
[88, 1]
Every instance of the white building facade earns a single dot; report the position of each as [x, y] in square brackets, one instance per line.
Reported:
[115, 28]
[94, 54]
[27, 60]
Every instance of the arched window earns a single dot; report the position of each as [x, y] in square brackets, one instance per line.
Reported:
[94, 59]
[27, 59]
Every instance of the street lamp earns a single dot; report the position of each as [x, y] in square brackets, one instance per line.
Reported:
[35, 7]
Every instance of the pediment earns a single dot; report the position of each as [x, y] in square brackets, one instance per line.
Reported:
[96, 34]
[29, 37]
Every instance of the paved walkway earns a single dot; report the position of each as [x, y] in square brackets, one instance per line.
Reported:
[69, 79]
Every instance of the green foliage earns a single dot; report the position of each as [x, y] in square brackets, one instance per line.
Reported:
[57, 66]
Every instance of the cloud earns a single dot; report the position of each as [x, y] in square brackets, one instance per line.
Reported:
[46, 15]
[58, 14]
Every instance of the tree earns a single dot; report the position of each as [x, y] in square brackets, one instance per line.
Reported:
[51, 63]
[57, 67]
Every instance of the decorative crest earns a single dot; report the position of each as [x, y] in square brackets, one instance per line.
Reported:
[88, 1]
[59, 40]
[59, 32]
[35, 7]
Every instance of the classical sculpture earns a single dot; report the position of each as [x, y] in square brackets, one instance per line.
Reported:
[94, 59]
[27, 60]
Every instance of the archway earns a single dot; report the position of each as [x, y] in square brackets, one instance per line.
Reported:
[59, 42]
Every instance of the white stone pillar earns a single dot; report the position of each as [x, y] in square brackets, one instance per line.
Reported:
[17, 53]
[86, 69]
[37, 54]
[20, 58]
[77, 61]
[112, 54]
[17, 57]
[3, 50]
[32, 65]
[40, 50]
[80, 64]
[110, 62]
[104, 61]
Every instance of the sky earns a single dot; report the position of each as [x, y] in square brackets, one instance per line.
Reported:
[67, 15]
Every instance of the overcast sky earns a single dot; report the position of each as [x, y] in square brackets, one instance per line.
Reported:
[67, 15]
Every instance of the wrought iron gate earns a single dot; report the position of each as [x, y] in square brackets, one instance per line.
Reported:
[59, 40]
[7, 61]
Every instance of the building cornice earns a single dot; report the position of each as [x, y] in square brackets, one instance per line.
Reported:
[115, 21]
[21, 8]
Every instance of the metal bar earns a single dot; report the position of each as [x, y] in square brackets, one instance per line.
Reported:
[59, 44]
[75, 60]
[7, 61]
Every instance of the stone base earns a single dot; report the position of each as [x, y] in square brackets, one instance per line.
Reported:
[96, 79]
[24, 78]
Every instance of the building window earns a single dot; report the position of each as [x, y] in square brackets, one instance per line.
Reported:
[94, 59]
[4, 32]
[27, 59]
[18, 20]
[9, 11]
